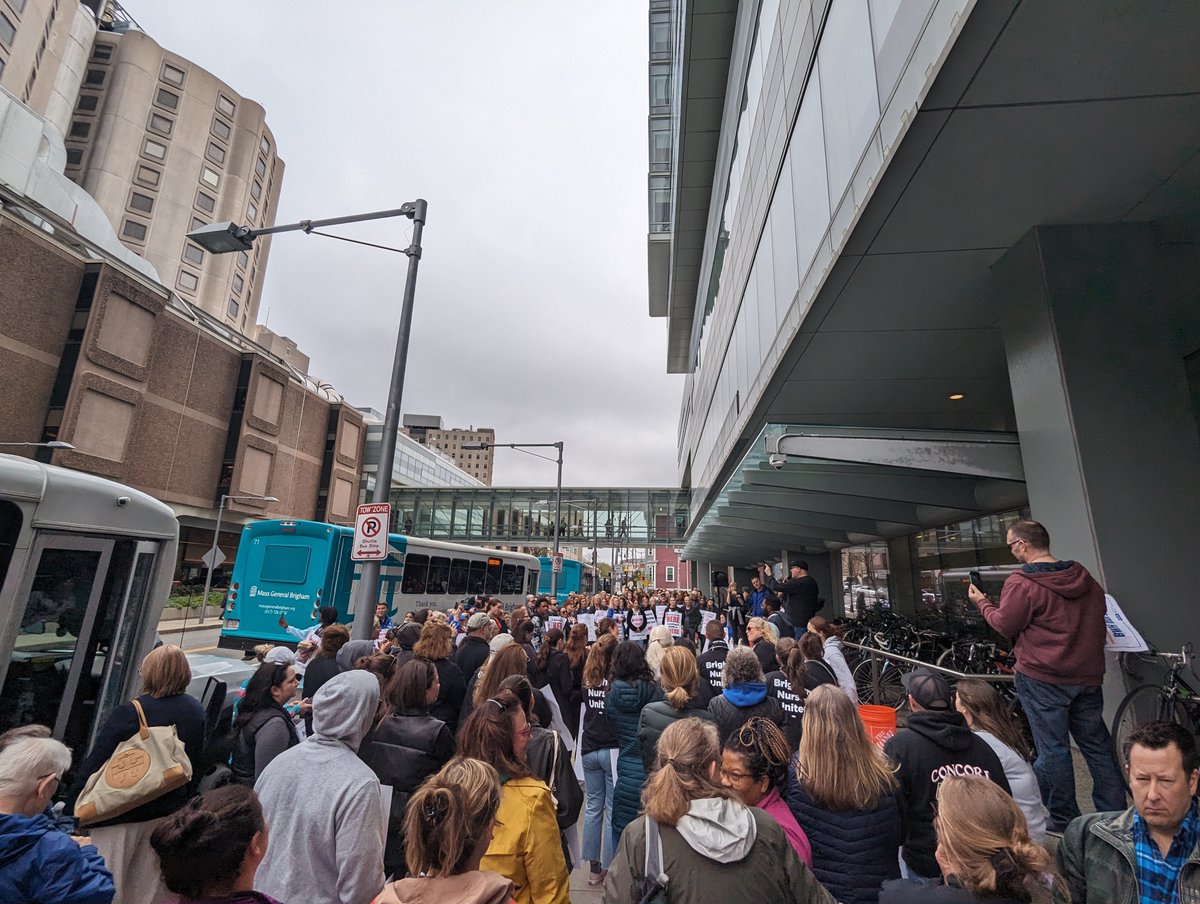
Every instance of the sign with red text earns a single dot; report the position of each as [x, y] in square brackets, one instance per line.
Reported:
[371, 532]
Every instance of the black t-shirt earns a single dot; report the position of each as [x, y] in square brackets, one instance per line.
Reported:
[711, 663]
[597, 732]
[779, 687]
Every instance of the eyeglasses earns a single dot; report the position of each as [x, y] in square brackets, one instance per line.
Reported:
[1014, 543]
[735, 776]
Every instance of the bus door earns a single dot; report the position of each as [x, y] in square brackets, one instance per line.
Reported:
[77, 595]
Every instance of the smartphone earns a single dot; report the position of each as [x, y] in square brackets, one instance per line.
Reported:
[976, 579]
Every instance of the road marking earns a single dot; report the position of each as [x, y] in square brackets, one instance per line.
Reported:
[201, 649]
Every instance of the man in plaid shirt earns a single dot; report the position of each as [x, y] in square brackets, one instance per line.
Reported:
[1159, 836]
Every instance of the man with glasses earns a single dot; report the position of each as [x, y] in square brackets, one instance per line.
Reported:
[1054, 610]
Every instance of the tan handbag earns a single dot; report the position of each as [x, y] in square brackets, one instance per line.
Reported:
[142, 769]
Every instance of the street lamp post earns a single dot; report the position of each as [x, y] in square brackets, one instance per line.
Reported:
[52, 444]
[557, 490]
[212, 553]
[223, 238]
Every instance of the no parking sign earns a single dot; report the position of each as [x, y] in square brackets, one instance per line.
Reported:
[371, 532]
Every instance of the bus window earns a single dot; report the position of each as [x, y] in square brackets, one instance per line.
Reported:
[416, 570]
[459, 569]
[285, 565]
[492, 581]
[509, 582]
[519, 581]
[439, 573]
[533, 583]
[475, 582]
[10, 528]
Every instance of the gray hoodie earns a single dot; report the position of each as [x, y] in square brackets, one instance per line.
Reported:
[323, 804]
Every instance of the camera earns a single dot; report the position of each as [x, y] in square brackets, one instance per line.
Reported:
[777, 460]
[123, 501]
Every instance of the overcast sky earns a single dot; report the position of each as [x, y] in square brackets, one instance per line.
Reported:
[523, 124]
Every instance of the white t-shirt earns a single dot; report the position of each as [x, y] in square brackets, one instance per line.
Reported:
[1023, 784]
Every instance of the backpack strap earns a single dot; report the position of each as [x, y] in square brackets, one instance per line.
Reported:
[654, 854]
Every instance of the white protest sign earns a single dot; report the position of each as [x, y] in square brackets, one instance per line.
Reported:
[556, 621]
[588, 619]
[674, 623]
[1123, 637]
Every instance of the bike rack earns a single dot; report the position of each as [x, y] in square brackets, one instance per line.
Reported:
[875, 654]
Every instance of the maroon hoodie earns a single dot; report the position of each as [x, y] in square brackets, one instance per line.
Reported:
[1057, 618]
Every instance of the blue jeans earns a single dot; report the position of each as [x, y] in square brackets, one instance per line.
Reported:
[1057, 713]
[598, 784]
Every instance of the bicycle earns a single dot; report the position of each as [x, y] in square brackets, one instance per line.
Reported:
[1174, 700]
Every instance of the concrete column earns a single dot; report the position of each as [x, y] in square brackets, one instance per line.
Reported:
[904, 580]
[1093, 330]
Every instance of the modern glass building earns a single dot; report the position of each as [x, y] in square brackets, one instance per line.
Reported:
[415, 464]
[927, 263]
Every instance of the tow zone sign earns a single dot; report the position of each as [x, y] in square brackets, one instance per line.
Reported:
[371, 532]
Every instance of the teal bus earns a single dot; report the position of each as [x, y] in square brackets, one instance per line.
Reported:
[290, 569]
[576, 577]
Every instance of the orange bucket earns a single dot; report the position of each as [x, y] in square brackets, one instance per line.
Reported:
[880, 722]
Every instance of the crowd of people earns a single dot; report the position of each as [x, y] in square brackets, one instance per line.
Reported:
[451, 757]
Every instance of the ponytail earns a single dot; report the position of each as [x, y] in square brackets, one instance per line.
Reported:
[448, 816]
[796, 673]
[687, 753]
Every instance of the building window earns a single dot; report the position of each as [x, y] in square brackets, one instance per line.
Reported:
[233, 308]
[197, 223]
[243, 260]
[74, 156]
[660, 200]
[660, 85]
[660, 33]
[80, 129]
[238, 284]
[193, 253]
[172, 74]
[93, 77]
[264, 146]
[138, 201]
[225, 106]
[669, 574]
[147, 175]
[88, 103]
[102, 52]
[155, 149]
[256, 190]
[252, 212]
[134, 230]
[210, 176]
[260, 167]
[168, 99]
[221, 128]
[188, 280]
[215, 152]
[206, 202]
[8, 31]
[160, 124]
[2, 65]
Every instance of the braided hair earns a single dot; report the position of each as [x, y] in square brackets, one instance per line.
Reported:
[761, 745]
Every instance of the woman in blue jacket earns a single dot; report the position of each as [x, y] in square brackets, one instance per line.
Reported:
[631, 688]
[37, 861]
[842, 791]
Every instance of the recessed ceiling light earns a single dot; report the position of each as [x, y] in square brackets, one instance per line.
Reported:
[957, 397]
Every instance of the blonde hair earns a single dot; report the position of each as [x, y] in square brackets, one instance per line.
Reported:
[165, 671]
[678, 676]
[687, 751]
[840, 767]
[448, 816]
[660, 641]
[983, 837]
[436, 641]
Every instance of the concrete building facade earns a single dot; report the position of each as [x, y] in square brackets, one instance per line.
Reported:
[930, 266]
[430, 431]
[166, 147]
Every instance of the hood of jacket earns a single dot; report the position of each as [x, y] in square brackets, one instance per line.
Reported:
[350, 652]
[747, 693]
[466, 888]
[946, 728]
[18, 834]
[719, 828]
[345, 707]
[1070, 580]
[630, 698]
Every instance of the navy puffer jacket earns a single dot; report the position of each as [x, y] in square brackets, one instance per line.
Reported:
[854, 851]
[624, 708]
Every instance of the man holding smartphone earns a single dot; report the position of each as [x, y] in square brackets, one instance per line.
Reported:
[1054, 610]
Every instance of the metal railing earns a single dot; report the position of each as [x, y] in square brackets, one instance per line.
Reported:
[877, 654]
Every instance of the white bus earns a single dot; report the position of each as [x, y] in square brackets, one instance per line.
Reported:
[85, 567]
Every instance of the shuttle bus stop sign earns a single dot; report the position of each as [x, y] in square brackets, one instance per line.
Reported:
[556, 563]
[371, 532]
